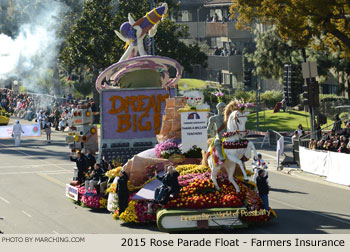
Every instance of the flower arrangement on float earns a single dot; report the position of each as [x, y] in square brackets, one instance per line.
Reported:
[167, 149]
[197, 192]
[98, 201]
[94, 201]
[114, 172]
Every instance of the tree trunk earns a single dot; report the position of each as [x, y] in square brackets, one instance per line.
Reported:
[96, 95]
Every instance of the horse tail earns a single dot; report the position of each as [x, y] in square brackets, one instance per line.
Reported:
[205, 156]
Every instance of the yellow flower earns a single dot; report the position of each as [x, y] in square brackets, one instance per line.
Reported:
[103, 203]
[114, 173]
[112, 188]
[188, 169]
[129, 215]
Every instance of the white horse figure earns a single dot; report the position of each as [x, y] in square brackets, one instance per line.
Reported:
[235, 124]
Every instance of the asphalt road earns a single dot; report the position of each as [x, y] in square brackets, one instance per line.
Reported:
[33, 201]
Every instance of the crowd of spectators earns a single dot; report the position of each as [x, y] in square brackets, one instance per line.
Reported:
[336, 140]
[40, 107]
[226, 51]
[215, 18]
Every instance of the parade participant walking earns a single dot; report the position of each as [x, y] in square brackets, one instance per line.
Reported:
[47, 128]
[219, 122]
[16, 133]
[122, 191]
[69, 118]
[263, 188]
[57, 116]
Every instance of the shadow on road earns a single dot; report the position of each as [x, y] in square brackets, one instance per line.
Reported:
[150, 227]
[285, 191]
[308, 222]
[34, 149]
[291, 222]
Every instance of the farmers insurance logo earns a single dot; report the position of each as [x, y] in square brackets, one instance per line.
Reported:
[193, 115]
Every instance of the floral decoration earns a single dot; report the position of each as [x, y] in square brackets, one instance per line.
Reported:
[129, 215]
[243, 106]
[166, 149]
[219, 96]
[114, 172]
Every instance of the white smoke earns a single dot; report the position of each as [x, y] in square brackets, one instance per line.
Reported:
[29, 55]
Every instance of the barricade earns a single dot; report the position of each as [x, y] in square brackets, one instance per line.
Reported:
[332, 165]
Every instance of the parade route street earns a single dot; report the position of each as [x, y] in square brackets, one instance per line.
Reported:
[33, 201]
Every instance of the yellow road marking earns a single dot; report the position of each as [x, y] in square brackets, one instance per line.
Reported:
[56, 181]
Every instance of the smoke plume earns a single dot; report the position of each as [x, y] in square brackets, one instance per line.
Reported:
[29, 56]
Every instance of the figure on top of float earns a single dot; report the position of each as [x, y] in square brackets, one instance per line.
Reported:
[133, 32]
[220, 127]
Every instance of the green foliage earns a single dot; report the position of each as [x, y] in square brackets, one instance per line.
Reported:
[331, 97]
[246, 96]
[194, 152]
[270, 98]
[344, 116]
[168, 43]
[91, 41]
[212, 100]
[271, 54]
[320, 23]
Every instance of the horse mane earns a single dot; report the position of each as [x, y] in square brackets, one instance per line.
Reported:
[232, 106]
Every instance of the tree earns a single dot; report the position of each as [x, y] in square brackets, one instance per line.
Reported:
[168, 43]
[91, 42]
[271, 54]
[304, 22]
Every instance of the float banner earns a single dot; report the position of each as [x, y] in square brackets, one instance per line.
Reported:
[30, 130]
[133, 113]
[72, 192]
[194, 130]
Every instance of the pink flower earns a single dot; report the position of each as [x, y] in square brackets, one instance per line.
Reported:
[219, 94]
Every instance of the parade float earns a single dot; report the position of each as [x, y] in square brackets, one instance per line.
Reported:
[4, 116]
[146, 127]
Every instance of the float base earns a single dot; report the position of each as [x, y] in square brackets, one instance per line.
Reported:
[172, 220]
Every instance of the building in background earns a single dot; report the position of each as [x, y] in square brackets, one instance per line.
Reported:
[210, 25]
